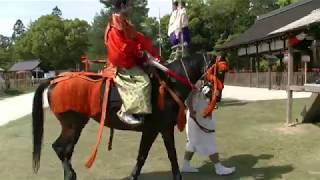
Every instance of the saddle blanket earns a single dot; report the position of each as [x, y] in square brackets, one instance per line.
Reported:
[76, 93]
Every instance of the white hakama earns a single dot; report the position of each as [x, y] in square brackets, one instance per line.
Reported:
[198, 140]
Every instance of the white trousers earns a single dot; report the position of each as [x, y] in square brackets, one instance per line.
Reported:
[197, 140]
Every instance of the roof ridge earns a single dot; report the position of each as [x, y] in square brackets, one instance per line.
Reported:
[283, 9]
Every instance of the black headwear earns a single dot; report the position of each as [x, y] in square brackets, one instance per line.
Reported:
[115, 3]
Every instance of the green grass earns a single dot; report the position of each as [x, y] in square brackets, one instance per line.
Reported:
[16, 92]
[250, 136]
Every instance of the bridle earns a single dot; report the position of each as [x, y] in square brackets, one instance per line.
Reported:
[203, 72]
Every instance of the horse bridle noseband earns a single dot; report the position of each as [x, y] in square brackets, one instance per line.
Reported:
[204, 69]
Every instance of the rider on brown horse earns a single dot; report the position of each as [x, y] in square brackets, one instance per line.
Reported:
[125, 52]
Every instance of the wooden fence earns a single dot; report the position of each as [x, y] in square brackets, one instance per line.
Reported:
[19, 84]
[261, 79]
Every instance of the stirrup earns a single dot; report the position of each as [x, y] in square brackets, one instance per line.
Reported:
[129, 118]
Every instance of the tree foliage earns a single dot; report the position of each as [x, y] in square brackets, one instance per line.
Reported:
[57, 43]
[18, 30]
[5, 51]
[97, 49]
[56, 12]
[283, 3]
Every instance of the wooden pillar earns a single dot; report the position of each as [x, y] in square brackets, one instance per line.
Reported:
[257, 65]
[251, 70]
[269, 69]
[269, 73]
[290, 79]
[305, 72]
[257, 69]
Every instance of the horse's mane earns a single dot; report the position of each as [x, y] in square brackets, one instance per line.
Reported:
[194, 66]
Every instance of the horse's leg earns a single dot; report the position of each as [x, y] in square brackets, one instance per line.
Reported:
[149, 134]
[72, 125]
[168, 138]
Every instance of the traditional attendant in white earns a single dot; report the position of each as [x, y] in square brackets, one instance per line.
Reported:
[197, 139]
[178, 25]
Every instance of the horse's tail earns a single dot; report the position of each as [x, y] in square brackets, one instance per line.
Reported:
[37, 124]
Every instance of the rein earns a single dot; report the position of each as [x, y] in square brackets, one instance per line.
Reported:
[187, 74]
[204, 129]
[181, 117]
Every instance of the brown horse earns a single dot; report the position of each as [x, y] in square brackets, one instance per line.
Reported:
[160, 121]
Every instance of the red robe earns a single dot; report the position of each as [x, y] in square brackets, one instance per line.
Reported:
[124, 44]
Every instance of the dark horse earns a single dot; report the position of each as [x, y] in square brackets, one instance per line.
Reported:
[162, 122]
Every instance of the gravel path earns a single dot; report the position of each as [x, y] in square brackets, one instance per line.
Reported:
[16, 107]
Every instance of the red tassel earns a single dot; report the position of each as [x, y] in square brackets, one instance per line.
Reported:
[207, 112]
[181, 119]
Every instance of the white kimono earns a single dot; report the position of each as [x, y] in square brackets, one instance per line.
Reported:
[178, 20]
[199, 141]
[173, 22]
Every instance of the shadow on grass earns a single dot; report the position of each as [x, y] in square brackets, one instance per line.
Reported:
[317, 124]
[13, 92]
[230, 102]
[244, 163]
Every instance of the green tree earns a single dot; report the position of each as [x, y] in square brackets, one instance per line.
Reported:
[56, 12]
[18, 30]
[4, 42]
[5, 51]
[97, 49]
[260, 7]
[151, 29]
[58, 43]
[283, 3]
[76, 39]
[165, 44]
[215, 21]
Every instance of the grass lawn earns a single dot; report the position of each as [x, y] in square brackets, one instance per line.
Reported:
[16, 92]
[250, 136]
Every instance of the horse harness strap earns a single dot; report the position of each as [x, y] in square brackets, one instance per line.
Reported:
[181, 117]
[93, 77]
[204, 129]
[108, 74]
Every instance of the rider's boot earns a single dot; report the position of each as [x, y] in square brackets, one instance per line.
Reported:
[129, 118]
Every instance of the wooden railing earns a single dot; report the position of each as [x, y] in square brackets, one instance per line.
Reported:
[19, 84]
[278, 79]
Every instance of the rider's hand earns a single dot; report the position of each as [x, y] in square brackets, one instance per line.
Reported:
[158, 59]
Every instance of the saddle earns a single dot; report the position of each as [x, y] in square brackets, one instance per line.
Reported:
[85, 92]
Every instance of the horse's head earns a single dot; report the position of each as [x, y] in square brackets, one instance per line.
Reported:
[192, 67]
